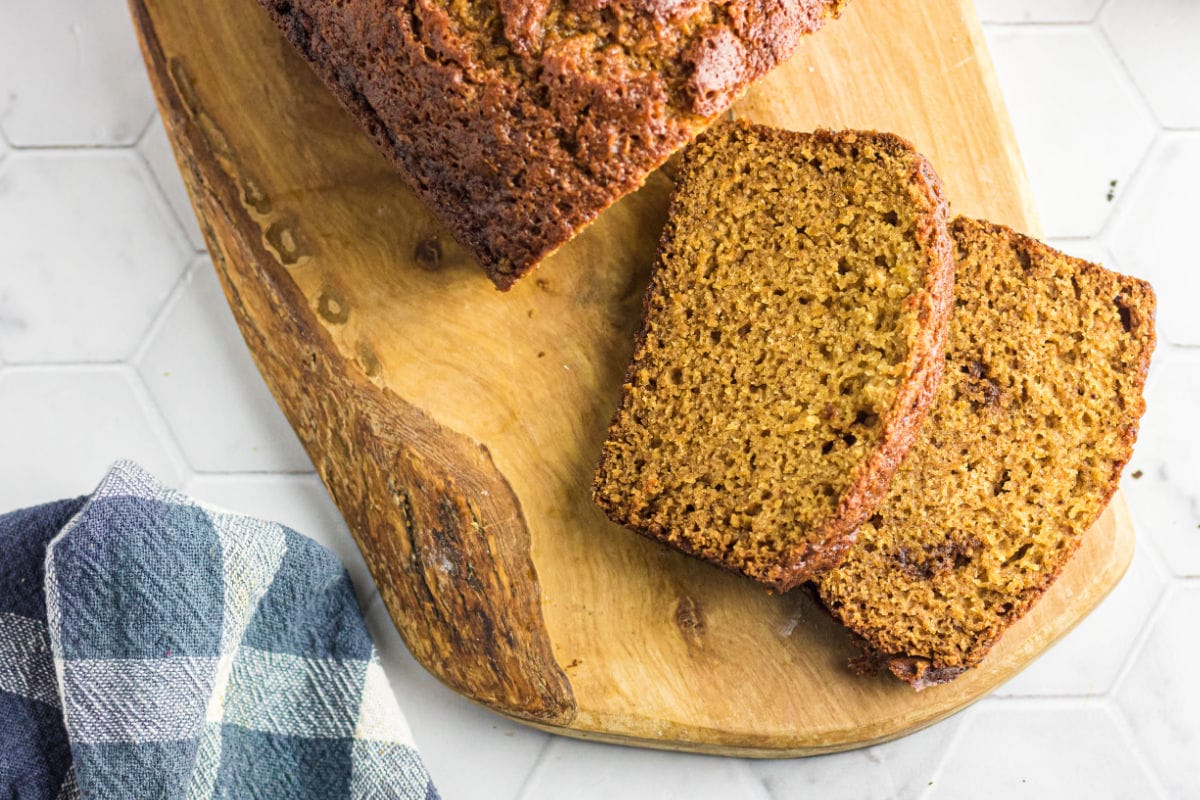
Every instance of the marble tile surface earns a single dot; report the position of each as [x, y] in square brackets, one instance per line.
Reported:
[1163, 477]
[117, 253]
[202, 377]
[71, 74]
[1152, 235]
[1000, 11]
[156, 150]
[61, 428]
[1159, 696]
[1044, 749]
[574, 770]
[1156, 41]
[1081, 145]
[115, 342]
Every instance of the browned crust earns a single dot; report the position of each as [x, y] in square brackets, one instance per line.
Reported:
[528, 181]
[440, 528]
[920, 671]
[926, 360]
[873, 476]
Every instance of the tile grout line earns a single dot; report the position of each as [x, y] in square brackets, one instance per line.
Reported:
[168, 304]
[534, 768]
[1149, 622]
[146, 125]
[1128, 73]
[1121, 723]
[80, 149]
[155, 417]
[1121, 82]
[1119, 210]
[180, 223]
[1046, 23]
[254, 473]
[935, 776]
[64, 366]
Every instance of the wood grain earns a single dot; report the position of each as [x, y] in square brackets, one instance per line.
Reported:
[457, 427]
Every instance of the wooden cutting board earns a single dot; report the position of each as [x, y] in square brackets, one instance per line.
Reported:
[456, 427]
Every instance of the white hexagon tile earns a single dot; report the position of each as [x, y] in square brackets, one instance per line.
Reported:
[1152, 233]
[1080, 145]
[575, 770]
[71, 74]
[155, 148]
[899, 769]
[1163, 477]
[1044, 749]
[117, 252]
[1037, 10]
[1159, 696]
[62, 427]
[1156, 40]
[202, 377]
[115, 341]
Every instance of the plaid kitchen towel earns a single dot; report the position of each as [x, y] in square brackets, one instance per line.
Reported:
[152, 647]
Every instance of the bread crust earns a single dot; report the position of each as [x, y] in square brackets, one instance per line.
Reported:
[926, 363]
[518, 121]
[825, 548]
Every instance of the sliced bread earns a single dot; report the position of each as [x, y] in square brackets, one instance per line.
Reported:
[1023, 448]
[791, 344]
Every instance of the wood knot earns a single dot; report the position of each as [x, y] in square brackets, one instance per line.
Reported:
[282, 238]
[368, 360]
[332, 308]
[690, 619]
[428, 254]
[254, 195]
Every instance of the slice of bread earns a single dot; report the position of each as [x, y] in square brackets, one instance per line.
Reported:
[1033, 422]
[791, 344]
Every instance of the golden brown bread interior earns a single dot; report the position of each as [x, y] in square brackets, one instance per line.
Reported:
[792, 341]
[1034, 420]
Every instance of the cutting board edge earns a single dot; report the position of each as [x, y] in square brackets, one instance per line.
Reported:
[589, 727]
[526, 682]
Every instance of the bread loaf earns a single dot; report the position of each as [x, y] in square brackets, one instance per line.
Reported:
[518, 121]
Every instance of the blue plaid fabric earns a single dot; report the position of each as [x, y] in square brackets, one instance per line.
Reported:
[152, 647]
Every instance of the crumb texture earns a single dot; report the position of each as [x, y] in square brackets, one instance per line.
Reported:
[1024, 446]
[517, 121]
[792, 334]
